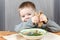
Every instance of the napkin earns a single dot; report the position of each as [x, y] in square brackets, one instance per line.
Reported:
[51, 36]
[11, 37]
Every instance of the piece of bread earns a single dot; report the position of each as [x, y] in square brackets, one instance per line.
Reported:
[38, 14]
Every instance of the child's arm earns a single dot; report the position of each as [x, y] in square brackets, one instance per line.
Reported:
[24, 25]
[52, 26]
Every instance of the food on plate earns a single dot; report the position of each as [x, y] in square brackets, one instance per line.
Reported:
[35, 33]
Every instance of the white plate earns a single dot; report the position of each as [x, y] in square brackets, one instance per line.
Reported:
[32, 30]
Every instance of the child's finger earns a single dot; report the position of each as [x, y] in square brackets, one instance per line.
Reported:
[43, 17]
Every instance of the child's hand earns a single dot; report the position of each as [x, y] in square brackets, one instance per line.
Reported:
[35, 19]
[43, 18]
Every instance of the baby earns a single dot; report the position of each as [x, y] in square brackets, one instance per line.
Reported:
[27, 12]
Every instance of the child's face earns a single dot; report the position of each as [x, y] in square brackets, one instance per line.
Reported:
[26, 13]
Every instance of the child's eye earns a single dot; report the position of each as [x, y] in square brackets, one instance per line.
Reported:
[23, 16]
[29, 14]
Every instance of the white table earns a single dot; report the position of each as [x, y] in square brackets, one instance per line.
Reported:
[48, 36]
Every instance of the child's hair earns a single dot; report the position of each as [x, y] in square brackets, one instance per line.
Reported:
[27, 4]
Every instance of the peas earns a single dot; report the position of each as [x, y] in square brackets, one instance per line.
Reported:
[34, 34]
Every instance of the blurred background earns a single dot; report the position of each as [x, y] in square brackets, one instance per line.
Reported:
[9, 15]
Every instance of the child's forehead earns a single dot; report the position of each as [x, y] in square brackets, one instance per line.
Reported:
[26, 10]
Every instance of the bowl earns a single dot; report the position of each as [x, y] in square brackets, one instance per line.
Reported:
[33, 33]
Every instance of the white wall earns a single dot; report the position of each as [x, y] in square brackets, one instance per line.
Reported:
[11, 14]
[57, 11]
[2, 15]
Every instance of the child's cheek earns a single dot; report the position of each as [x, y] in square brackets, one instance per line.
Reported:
[22, 19]
[31, 16]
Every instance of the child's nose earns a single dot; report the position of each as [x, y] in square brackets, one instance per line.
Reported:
[27, 17]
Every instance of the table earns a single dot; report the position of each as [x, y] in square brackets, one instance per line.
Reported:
[58, 33]
[3, 33]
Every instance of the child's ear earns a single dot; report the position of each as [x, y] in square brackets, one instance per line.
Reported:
[18, 10]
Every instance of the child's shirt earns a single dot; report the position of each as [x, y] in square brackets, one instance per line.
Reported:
[49, 26]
